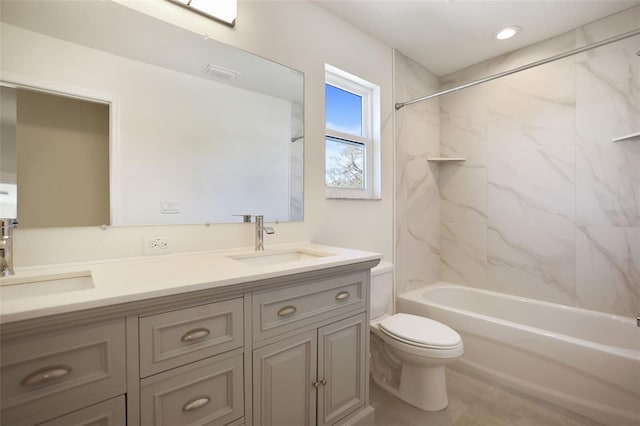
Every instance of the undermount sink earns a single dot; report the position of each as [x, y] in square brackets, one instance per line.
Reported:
[17, 287]
[278, 257]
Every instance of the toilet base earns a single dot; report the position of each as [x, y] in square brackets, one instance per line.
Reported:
[422, 387]
[425, 388]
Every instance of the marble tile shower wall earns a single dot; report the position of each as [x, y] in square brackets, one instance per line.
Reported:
[546, 206]
[417, 210]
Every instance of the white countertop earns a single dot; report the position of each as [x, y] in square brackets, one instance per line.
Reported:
[134, 279]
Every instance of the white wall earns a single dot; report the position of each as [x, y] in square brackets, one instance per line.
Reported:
[300, 35]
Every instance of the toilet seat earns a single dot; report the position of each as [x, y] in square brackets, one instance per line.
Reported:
[419, 331]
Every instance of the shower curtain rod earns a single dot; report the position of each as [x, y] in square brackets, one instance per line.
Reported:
[524, 67]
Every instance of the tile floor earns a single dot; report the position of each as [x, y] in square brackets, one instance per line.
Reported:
[474, 400]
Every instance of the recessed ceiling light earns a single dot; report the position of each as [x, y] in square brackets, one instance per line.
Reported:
[508, 32]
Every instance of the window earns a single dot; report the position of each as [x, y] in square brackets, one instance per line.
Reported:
[352, 136]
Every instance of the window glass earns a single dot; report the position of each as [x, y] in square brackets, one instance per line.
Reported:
[352, 136]
[343, 110]
[344, 164]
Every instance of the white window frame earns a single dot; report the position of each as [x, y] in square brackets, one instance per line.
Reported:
[370, 138]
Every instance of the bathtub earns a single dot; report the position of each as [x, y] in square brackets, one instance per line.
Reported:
[585, 361]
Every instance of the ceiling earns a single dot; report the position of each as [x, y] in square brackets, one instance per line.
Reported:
[446, 36]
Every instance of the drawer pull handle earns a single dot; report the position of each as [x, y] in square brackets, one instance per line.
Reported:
[46, 375]
[195, 334]
[287, 311]
[195, 403]
[343, 295]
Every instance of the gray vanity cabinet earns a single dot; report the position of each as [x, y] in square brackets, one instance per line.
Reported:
[318, 376]
[282, 351]
[283, 377]
[313, 378]
[341, 368]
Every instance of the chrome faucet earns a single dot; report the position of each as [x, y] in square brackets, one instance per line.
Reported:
[6, 252]
[260, 230]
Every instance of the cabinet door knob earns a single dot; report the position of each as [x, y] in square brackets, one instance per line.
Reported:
[196, 403]
[323, 382]
[343, 295]
[46, 375]
[195, 334]
[287, 311]
[315, 384]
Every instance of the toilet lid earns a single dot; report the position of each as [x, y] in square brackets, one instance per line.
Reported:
[420, 331]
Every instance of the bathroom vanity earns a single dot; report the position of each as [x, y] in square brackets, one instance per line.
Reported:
[277, 338]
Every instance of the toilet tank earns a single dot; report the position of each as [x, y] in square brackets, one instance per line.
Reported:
[381, 289]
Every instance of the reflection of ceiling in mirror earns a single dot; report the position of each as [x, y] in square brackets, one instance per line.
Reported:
[119, 30]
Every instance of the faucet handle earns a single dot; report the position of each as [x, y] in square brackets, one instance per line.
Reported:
[246, 218]
[269, 230]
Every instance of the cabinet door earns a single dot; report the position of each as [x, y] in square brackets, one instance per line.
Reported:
[341, 368]
[283, 377]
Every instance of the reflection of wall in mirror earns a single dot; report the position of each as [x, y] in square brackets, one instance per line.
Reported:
[215, 149]
[8, 162]
[296, 178]
[63, 161]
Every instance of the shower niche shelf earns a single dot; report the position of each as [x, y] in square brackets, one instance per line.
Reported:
[627, 137]
[446, 159]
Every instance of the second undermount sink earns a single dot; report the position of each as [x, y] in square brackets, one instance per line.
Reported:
[278, 257]
[17, 287]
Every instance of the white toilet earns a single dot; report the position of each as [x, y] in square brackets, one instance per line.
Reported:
[409, 352]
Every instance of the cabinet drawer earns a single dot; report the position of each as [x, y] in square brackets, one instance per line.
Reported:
[285, 309]
[207, 392]
[176, 338]
[45, 376]
[107, 413]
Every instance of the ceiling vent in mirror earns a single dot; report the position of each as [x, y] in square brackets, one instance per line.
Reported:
[220, 72]
[224, 11]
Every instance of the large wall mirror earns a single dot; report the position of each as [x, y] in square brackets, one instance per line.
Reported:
[110, 116]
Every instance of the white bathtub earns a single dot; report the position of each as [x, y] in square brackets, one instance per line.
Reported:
[586, 361]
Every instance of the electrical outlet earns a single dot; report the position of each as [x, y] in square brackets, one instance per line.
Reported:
[156, 245]
[169, 207]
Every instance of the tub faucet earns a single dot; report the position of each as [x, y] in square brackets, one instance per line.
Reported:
[260, 230]
[6, 252]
